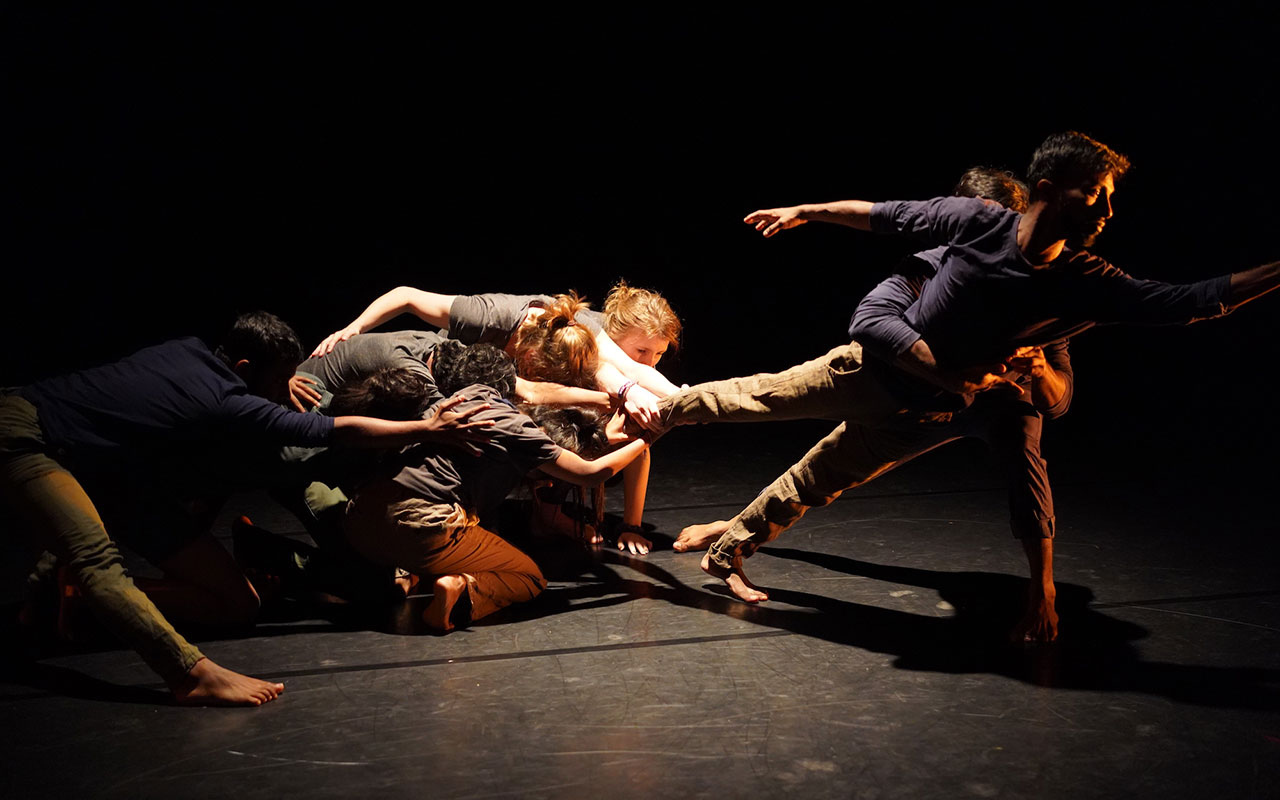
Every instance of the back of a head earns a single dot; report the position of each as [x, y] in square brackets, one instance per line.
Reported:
[579, 430]
[262, 339]
[1071, 158]
[390, 393]
[455, 366]
[629, 308]
[555, 347]
[999, 185]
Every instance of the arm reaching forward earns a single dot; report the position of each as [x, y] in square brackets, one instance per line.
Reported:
[427, 306]
[852, 213]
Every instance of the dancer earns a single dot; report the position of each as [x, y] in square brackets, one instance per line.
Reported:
[635, 330]
[421, 512]
[1005, 281]
[145, 415]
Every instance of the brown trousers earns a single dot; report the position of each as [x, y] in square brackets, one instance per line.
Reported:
[388, 524]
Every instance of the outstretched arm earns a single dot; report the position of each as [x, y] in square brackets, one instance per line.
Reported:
[546, 393]
[853, 213]
[427, 306]
[444, 425]
[1251, 284]
[571, 467]
[642, 374]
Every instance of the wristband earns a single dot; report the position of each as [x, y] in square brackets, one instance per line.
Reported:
[624, 388]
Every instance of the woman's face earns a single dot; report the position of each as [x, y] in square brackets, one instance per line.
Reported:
[641, 347]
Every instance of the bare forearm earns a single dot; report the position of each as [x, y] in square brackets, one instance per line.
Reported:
[635, 486]
[373, 432]
[1251, 284]
[851, 213]
[555, 394]
[645, 376]
[576, 470]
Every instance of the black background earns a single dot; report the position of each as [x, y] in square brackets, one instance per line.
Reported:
[168, 166]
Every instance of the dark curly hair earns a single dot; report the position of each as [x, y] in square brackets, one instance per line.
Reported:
[1071, 158]
[579, 430]
[455, 366]
[262, 339]
[390, 393]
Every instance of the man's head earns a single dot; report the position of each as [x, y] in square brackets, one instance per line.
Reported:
[264, 351]
[456, 366]
[1073, 177]
[998, 185]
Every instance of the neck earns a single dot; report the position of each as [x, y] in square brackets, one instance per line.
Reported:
[1038, 236]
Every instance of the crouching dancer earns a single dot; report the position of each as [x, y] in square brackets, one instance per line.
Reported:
[420, 511]
[146, 415]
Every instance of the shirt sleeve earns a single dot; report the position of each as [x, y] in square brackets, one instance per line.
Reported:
[487, 318]
[1106, 294]
[878, 324]
[257, 416]
[940, 221]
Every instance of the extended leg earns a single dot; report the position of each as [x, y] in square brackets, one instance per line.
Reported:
[849, 456]
[834, 386]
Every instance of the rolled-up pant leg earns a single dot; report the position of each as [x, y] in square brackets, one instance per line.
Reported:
[1013, 431]
[389, 525]
[850, 455]
[834, 386]
[64, 521]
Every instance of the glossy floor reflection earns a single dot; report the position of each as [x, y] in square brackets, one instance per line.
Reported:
[879, 668]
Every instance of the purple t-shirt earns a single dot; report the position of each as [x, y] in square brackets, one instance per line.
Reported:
[987, 299]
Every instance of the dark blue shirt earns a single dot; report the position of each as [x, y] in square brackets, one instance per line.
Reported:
[162, 398]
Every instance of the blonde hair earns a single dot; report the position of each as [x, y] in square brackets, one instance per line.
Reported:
[553, 346]
[628, 308]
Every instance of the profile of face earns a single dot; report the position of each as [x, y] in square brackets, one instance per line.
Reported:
[1086, 208]
[642, 348]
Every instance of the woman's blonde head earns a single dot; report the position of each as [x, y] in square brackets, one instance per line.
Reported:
[628, 308]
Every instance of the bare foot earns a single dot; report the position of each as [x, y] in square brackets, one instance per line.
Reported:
[449, 589]
[207, 684]
[735, 578]
[700, 537]
[406, 582]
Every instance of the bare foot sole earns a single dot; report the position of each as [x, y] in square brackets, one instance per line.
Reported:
[449, 589]
[735, 579]
[208, 684]
[700, 537]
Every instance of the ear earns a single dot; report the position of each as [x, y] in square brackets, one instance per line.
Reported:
[242, 369]
[1045, 187]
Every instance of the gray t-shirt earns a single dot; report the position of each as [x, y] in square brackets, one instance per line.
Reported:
[493, 318]
[366, 353]
[443, 474]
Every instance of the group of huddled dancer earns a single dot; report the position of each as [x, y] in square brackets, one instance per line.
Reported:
[399, 445]
[146, 450]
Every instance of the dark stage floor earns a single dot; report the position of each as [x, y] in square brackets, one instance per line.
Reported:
[878, 669]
